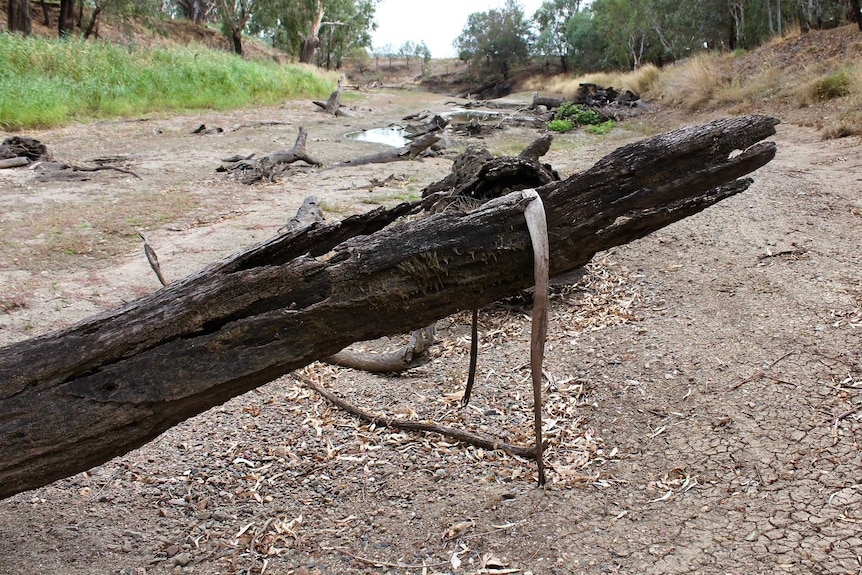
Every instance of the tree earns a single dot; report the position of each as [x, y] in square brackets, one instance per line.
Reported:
[235, 14]
[346, 28]
[552, 18]
[18, 13]
[196, 11]
[66, 21]
[424, 54]
[302, 27]
[496, 40]
[406, 51]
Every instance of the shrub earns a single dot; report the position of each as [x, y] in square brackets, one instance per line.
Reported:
[578, 114]
[601, 129]
[831, 86]
[560, 125]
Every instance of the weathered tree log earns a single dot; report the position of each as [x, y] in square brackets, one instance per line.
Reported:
[409, 152]
[272, 165]
[23, 146]
[549, 103]
[333, 104]
[74, 398]
[408, 356]
[15, 162]
[413, 354]
[435, 124]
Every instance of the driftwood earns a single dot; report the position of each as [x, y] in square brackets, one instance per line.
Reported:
[269, 167]
[590, 95]
[333, 104]
[435, 124]
[409, 152]
[75, 398]
[15, 162]
[23, 146]
[413, 354]
[62, 172]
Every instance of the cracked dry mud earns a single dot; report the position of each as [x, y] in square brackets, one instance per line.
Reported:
[700, 414]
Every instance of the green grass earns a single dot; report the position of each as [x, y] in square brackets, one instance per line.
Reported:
[46, 83]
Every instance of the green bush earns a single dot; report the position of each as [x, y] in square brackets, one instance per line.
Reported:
[560, 125]
[569, 115]
[601, 129]
[578, 114]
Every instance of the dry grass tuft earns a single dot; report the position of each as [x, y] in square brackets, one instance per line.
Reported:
[697, 82]
[641, 81]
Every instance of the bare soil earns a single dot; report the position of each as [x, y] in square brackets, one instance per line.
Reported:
[702, 409]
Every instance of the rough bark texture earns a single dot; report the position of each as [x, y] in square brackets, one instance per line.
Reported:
[75, 398]
[18, 14]
[66, 21]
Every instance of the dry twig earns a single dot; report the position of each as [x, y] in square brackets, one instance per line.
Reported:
[374, 563]
[406, 425]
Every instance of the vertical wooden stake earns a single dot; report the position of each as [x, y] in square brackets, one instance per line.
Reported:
[538, 227]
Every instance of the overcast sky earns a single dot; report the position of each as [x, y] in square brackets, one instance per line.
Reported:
[435, 22]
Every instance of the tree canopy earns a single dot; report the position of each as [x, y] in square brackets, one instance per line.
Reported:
[496, 40]
[576, 34]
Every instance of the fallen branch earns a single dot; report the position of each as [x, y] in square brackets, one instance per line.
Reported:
[15, 162]
[272, 165]
[409, 152]
[407, 425]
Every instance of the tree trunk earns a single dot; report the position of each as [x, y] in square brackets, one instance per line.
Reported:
[19, 16]
[311, 42]
[66, 21]
[855, 15]
[45, 14]
[236, 41]
[75, 398]
[93, 26]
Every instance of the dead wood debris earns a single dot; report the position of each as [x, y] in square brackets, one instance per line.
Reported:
[407, 425]
[61, 172]
[153, 259]
[269, 167]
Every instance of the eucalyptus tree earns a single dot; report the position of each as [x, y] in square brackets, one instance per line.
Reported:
[300, 26]
[346, 28]
[496, 40]
[551, 19]
[196, 11]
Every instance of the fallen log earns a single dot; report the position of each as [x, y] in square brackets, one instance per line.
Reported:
[75, 398]
[23, 146]
[16, 162]
[333, 104]
[435, 124]
[269, 167]
[409, 152]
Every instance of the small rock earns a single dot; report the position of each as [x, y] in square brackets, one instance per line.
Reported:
[182, 559]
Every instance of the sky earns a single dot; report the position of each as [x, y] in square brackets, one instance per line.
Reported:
[436, 22]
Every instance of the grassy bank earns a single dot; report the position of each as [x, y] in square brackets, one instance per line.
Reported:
[47, 83]
[812, 77]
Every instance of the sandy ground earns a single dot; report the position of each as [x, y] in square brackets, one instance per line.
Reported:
[703, 413]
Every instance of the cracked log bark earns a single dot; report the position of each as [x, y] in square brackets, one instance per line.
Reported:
[75, 398]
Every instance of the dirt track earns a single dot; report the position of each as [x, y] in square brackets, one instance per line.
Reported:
[701, 414]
